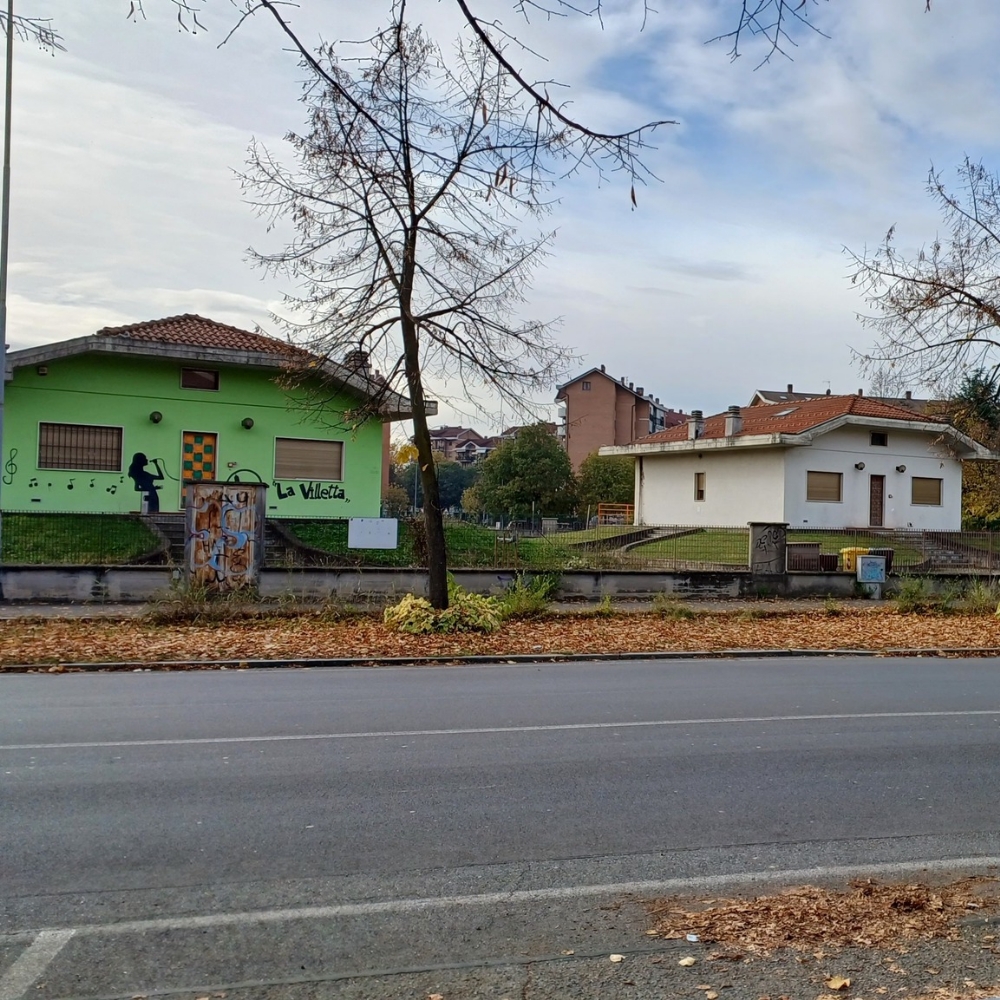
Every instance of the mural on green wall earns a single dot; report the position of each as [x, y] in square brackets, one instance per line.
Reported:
[145, 481]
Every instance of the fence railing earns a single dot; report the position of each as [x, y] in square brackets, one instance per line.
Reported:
[34, 538]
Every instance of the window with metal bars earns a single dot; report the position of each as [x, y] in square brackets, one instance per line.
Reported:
[80, 446]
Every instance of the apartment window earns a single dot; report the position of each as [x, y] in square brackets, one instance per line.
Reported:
[880, 439]
[80, 446]
[586, 387]
[824, 487]
[926, 492]
[699, 486]
[199, 378]
[299, 458]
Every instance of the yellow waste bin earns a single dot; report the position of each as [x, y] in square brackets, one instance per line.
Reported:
[850, 558]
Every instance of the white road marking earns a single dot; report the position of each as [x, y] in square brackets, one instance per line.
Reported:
[16, 981]
[487, 730]
[614, 889]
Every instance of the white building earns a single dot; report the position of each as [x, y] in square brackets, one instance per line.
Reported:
[828, 462]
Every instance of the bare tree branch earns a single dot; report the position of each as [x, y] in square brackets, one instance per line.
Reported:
[936, 315]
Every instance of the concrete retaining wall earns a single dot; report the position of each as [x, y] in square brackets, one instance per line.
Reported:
[123, 584]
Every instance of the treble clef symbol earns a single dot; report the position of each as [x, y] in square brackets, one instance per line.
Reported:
[10, 468]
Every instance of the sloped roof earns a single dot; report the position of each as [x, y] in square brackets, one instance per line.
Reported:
[763, 397]
[189, 337]
[192, 330]
[795, 418]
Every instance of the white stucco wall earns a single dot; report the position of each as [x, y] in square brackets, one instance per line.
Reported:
[839, 450]
[741, 485]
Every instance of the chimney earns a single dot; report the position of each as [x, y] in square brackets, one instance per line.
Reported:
[631, 385]
[640, 391]
[734, 421]
[828, 392]
[357, 362]
[791, 388]
[603, 369]
[696, 425]
[909, 394]
[861, 392]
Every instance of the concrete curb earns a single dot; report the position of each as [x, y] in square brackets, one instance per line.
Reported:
[457, 661]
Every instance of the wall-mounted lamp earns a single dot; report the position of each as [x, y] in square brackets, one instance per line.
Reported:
[901, 468]
[247, 423]
[156, 416]
[859, 466]
[42, 370]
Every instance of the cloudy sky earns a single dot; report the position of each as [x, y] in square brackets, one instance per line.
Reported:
[730, 275]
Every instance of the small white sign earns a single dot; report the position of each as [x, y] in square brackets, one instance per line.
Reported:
[372, 533]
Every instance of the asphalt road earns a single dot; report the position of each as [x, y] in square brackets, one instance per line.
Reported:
[197, 830]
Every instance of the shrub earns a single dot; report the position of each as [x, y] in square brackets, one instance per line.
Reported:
[981, 597]
[668, 606]
[465, 613]
[529, 597]
[915, 597]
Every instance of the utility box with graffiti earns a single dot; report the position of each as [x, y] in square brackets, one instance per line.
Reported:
[224, 550]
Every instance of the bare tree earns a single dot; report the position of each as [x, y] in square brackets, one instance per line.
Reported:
[411, 182]
[936, 314]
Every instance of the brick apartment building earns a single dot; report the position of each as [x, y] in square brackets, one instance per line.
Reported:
[596, 410]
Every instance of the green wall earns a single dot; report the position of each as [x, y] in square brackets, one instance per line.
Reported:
[122, 391]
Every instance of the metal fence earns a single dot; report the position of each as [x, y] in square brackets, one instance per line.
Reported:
[47, 539]
[34, 538]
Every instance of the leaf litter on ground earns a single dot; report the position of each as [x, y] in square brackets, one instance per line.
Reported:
[867, 914]
[62, 640]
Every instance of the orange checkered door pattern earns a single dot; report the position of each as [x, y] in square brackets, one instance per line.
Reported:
[200, 460]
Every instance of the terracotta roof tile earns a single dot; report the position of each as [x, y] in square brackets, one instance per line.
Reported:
[795, 417]
[197, 331]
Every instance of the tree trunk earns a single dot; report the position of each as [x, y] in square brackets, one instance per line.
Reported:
[437, 553]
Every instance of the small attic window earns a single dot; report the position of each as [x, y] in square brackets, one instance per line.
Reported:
[199, 378]
[879, 439]
[586, 387]
[784, 413]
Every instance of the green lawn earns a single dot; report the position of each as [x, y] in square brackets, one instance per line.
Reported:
[716, 546]
[469, 545]
[74, 539]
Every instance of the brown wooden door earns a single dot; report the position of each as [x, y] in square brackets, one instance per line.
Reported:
[876, 490]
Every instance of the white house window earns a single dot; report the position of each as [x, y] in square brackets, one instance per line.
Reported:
[300, 458]
[926, 492]
[880, 439]
[586, 387]
[699, 486]
[199, 378]
[80, 446]
[824, 487]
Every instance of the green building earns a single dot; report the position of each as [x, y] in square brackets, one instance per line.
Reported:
[119, 421]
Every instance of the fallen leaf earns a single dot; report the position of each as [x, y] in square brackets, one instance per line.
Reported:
[838, 983]
[651, 933]
[435, 996]
[569, 951]
[617, 958]
[932, 972]
[711, 995]
[687, 962]
[703, 986]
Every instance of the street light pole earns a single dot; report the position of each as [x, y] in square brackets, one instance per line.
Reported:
[4, 245]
